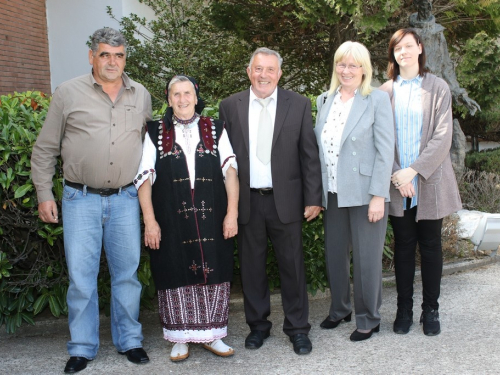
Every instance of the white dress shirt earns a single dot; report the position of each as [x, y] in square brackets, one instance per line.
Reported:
[260, 174]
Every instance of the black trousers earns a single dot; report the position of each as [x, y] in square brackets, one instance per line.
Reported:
[252, 248]
[427, 233]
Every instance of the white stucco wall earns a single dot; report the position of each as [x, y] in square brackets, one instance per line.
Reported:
[70, 23]
[484, 145]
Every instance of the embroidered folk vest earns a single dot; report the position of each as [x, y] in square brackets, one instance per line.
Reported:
[192, 247]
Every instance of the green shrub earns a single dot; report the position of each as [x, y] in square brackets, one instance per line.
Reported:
[33, 273]
[32, 270]
[484, 161]
[480, 190]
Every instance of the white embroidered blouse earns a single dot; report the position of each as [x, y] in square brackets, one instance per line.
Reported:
[187, 137]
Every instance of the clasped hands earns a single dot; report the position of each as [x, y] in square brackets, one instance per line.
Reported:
[402, 181]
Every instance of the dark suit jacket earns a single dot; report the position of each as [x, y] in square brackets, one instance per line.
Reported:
[295, 168]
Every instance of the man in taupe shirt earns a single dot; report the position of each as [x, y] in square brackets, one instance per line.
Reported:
[95, 124]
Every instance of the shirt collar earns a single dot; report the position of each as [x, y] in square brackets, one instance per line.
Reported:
[338, 90]
[126, 81]
[274, 95]
[400, 81]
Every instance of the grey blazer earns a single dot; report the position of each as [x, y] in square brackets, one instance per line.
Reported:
[438, 194]
[366, 151]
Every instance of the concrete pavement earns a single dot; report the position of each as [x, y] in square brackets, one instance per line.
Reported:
[468, 343]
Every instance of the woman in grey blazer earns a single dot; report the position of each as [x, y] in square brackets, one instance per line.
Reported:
[424, 186]
[355, 134]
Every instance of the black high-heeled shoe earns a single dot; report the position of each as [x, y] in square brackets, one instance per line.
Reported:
[360, 336]
[329, 324]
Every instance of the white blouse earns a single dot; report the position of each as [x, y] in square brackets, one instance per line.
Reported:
[187, 137]
[332, 135]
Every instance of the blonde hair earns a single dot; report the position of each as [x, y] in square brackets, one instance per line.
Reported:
[362, 57]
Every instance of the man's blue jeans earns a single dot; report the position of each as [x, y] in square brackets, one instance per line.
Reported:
[91, 221]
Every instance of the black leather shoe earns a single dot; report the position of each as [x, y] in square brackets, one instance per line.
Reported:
[75, 364]
[329, 324]
[136, 355]
[430, 319]
[403, 322]
[301, 343]
[255, 339]
[360, 336]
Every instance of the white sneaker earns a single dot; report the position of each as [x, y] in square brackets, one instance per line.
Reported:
[179, 352]
[218, 347]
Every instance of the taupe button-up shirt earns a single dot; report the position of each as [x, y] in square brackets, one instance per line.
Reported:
[100, 142]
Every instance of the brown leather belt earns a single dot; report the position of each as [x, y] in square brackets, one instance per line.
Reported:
[104, 192]
[262, 191]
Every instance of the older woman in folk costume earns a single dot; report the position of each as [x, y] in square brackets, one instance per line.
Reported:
[188, 191]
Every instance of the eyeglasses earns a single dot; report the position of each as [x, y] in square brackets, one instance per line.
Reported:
[352, 67]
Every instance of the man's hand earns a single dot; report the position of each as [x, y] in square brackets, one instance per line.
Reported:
[311, 212]
[47, 211]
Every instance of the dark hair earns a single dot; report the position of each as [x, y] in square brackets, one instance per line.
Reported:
[109, 36]
[393, 66]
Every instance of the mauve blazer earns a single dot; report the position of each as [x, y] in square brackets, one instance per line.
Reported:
[366, 150]
[438, 194]
[294, 156]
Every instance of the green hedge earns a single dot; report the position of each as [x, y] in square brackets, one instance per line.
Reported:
[484, 161]
[33, 274]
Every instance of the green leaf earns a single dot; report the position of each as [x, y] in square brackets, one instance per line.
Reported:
[28, 318]
[40, 304]
[55, 309]
[22, 190]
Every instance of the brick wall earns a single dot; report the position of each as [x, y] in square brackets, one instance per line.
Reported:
[24, 48]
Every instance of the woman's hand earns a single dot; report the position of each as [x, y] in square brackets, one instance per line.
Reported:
[152, 234]
[376, 209]
[407, 191]
[230, 226]
[403, 177]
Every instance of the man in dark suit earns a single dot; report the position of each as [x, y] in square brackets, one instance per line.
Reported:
[272, 136]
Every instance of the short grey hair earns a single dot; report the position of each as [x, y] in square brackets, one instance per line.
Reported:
[109, 36]
[266, 51]
[178, 78]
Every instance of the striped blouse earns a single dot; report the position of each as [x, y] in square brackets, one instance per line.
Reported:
[409, 116]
